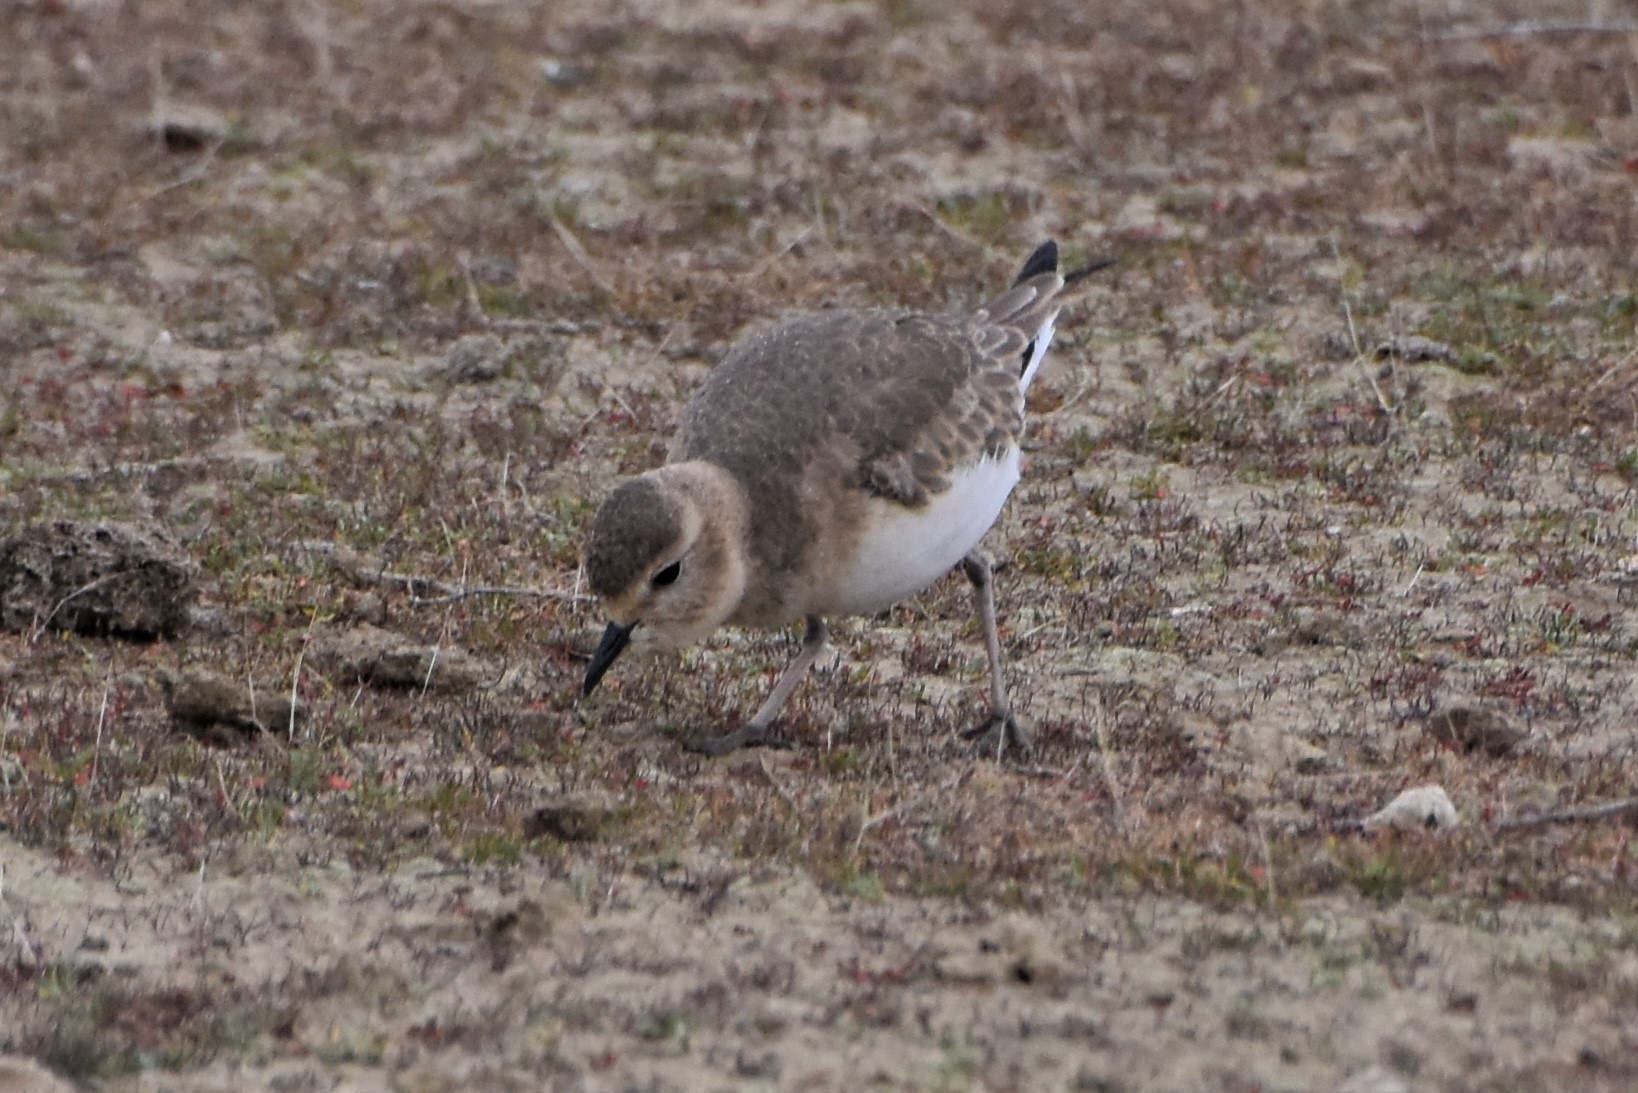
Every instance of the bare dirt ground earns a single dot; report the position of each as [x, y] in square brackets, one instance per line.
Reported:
[361, 308]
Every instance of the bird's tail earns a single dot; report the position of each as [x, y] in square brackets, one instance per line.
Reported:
[1026, 311]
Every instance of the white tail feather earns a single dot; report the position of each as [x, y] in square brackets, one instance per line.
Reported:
[1043, 342]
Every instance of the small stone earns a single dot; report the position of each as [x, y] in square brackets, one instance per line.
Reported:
[1396, 221]
[572, 818]
[367, 607]
[1374, 1079]
[1461, 1001]
[185, 128]
[483, 358]
[964, 963]
[1351, 75]
[750, 1064]
[1033, 958]
[1012, 951]
[1141, 217]
[509, 932]
[1563, 159]
[1323, 627]
[561, 73]
[1414, 347]
[1307, 758]
[476, 358]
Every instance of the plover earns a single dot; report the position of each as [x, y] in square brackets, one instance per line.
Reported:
[831, 465]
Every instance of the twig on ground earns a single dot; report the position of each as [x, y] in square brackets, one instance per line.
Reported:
[883, 816]
[1570, 815]
[355, 566]
[783, 793]
[1611, 370]
[227, 797]
[769, 262]
[1535, 28]
[1417, 576]
[1072, 401]
[472, 301]
[1268, 863]
[40, 627]
[102, 721]
[580, 256]
[1353, 337]
[28, 951]
[946, 227]
[1111, 781]
[1056, 774]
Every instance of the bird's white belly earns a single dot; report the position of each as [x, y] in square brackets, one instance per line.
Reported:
[902, 551]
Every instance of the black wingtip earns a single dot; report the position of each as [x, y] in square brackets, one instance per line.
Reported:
[1044, 259]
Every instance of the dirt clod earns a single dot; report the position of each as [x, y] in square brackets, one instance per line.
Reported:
[370, 654]
[201, 702]
[573, 818]
[1476, 728]
[102, 578]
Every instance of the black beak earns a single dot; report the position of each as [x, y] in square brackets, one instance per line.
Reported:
[615, 640]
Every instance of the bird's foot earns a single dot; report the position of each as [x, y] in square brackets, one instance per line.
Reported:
[998, 731]
[746, 736]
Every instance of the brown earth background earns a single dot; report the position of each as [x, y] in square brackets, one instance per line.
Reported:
[1330, 494]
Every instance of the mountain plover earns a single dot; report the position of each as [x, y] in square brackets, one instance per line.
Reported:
[830, 465]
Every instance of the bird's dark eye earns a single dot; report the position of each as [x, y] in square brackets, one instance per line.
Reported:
[666, 576]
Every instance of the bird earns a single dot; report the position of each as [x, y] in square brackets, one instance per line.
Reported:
[830, 465]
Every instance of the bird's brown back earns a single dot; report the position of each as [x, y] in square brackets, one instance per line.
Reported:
[888, 401]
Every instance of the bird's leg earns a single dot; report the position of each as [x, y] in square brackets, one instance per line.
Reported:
[1000, 727]
[754, 733]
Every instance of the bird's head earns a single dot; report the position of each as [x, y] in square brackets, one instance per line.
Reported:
[666, 556]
